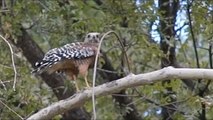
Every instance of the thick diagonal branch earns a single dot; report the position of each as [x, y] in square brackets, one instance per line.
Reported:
[123, 83]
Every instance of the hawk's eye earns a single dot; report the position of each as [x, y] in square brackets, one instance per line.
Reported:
[88, 36]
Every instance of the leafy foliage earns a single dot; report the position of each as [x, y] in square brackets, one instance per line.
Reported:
[53, 23]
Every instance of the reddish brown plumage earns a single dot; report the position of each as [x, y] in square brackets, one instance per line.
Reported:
[74, 59]
[75, 65]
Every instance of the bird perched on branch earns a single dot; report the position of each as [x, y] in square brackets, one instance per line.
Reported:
[73, 59]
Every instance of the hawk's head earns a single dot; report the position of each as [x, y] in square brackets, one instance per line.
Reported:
[93, 37]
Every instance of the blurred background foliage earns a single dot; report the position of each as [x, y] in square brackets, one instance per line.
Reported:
[53, 23]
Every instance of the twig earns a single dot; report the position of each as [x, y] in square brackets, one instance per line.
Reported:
[5, 66]
[211, 66]
[108, 71]
[123, 50]
[122, 95]
[3, 85]
[192, 34]
[180, 28]
[94, 77]
[8, 81]
[95, 66]
[210, 55]
[161, 105]
[11, 110]
[13, 62]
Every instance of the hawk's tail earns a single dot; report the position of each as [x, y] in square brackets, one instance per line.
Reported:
[41, 66]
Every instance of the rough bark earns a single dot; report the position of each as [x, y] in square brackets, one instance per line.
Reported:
[34, 53]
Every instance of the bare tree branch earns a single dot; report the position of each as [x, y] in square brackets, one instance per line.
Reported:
[95, 65]
[131, 80]
[11, 110]
[13, 62]
[192, 33]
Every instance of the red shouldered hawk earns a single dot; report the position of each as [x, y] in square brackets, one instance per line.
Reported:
[74, 59]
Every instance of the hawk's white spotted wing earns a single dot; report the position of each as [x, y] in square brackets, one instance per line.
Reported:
[73, 51]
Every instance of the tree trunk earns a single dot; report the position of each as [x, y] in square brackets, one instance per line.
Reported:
[34, 53]
[168, 10]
